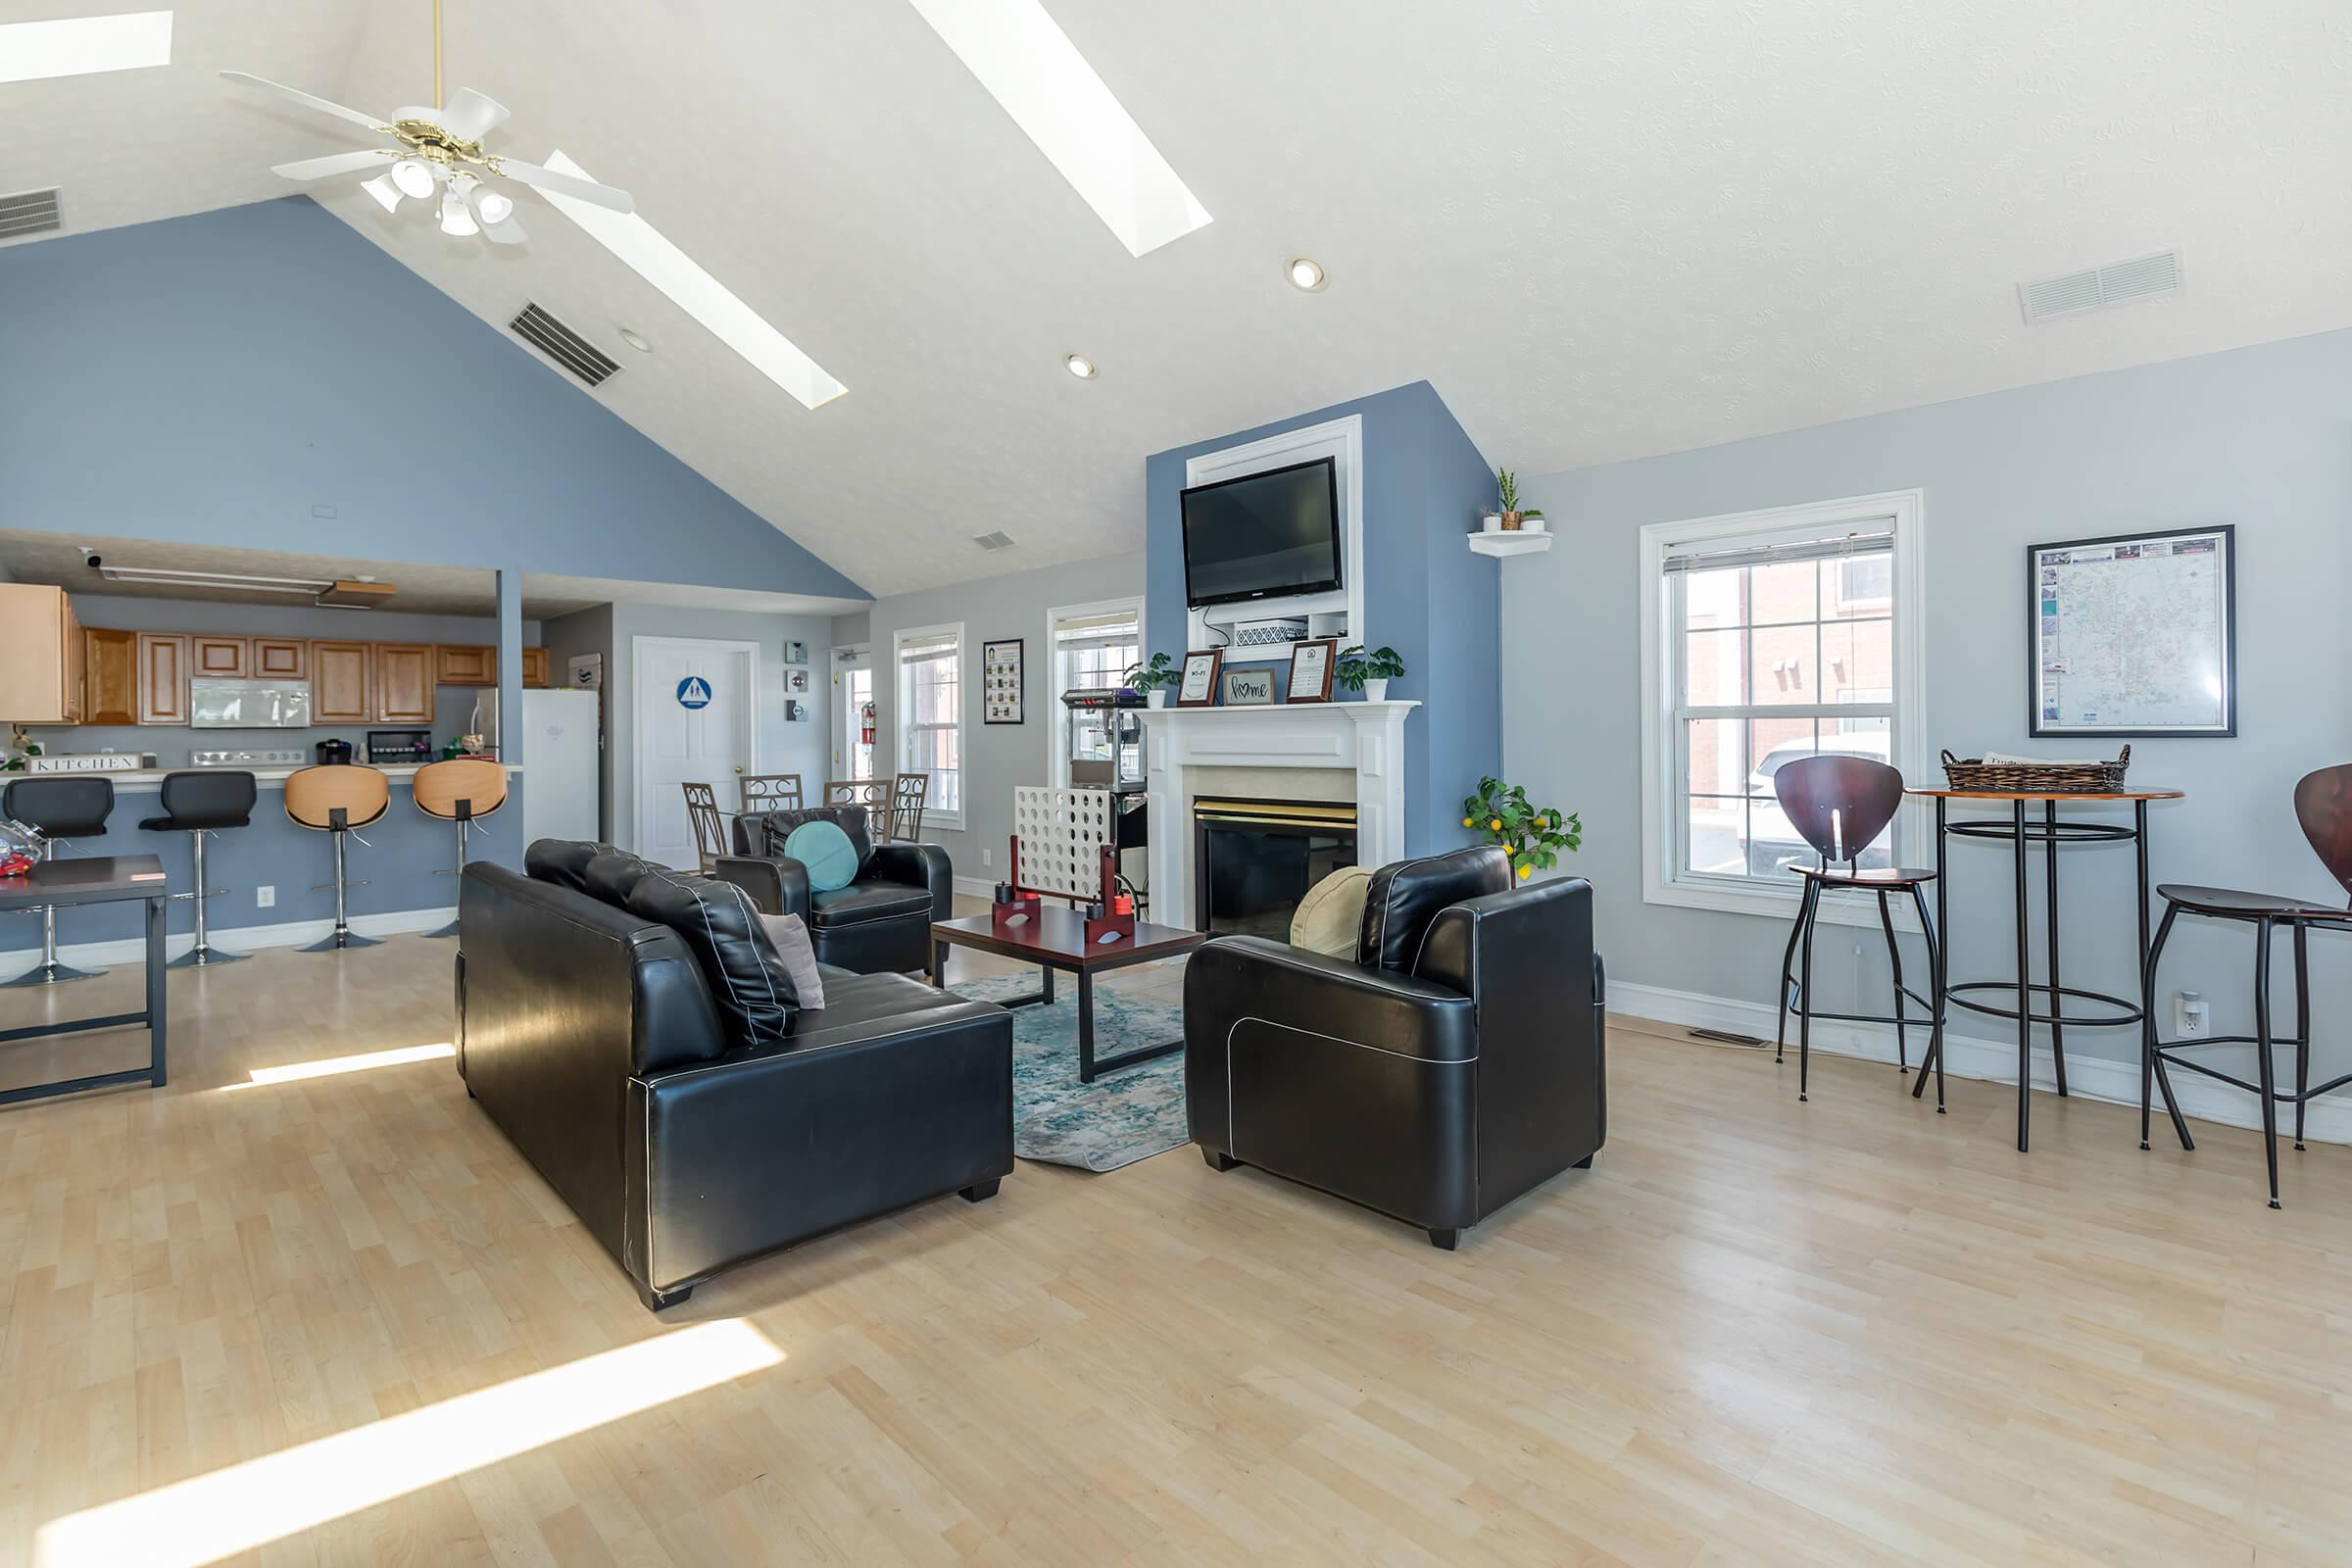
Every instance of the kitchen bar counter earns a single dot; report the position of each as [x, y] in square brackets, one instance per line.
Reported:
[132, 781]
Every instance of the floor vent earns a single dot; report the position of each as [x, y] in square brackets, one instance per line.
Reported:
[993, 541]
[1725, 1036]
[2101, 288]
[32, 212]
[565, 346]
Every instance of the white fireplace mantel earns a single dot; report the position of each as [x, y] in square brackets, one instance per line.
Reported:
[1365, 739]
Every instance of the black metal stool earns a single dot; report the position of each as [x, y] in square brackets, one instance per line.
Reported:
[462, 790]
[335, 799]
[1840, 805]
[197, 803]
[2323, 808]
[63, 807]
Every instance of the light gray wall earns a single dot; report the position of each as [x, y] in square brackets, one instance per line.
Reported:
[2260, 438]
[853, 629]
[999, 758]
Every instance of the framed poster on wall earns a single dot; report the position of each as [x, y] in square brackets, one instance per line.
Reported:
[1001, 680]
[2134, 634]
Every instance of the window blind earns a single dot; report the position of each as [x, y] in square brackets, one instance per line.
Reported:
[1774, 554]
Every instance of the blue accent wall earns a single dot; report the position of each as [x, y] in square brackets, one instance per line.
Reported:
[214, 378]
[1425, 594]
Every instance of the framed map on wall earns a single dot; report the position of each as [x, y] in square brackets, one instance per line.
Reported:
[2136, 634]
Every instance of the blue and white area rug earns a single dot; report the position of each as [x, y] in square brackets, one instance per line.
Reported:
[1120, 1118]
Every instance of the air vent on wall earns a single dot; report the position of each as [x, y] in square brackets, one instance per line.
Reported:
[993, 541]
[32, 212]
[565, 346]
[2100, 288]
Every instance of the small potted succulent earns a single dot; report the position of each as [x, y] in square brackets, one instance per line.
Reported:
[1511, 518]
[1532, 836]
[1369, 673]
[1153, 680]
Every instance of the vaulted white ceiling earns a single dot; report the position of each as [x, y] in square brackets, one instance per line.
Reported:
[1601, 229]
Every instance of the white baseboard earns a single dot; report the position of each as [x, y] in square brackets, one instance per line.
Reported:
[977, 886]
[2328, 1120]
[242, 939]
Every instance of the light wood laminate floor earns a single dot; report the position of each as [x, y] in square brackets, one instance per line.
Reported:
[1755, 1333]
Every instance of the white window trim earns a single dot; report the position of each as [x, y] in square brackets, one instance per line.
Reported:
[1662, 881]
[933, 816]
[1057, 757]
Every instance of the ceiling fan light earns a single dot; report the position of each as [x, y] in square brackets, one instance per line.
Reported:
[495, 207]
[382, 188]
[413, 177]
[454, 218]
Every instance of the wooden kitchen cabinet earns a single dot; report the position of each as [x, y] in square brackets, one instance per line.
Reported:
[110, 676]
[280, 659]
[534, 667]
[342, 683]
[164, 678]
[216, 658]
[404, 682]
[463, 664]
[40, 656]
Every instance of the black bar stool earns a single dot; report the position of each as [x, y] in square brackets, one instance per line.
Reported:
[462, 790]
[196, 802]
[1840, 805]
[2323, 810]
[337, 799]
[63, 807]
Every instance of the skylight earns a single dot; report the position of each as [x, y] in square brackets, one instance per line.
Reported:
[702, 296]
[83, 46]
[1029, 65]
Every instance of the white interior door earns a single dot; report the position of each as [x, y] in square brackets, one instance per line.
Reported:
[852, 712]
[697, 723]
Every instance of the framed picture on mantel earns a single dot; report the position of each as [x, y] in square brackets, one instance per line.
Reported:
[1311, 664]
[1199, 688]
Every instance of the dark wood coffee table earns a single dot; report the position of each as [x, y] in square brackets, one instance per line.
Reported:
[98, 879]
[1055, 938]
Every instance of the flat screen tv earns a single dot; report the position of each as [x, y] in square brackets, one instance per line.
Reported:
[1263, 536]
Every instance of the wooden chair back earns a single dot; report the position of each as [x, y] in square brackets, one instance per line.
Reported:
[1838, 804]
[313, 795]
[771, 791]
[871, 793]
[476, 781]
[709, 829]
[2323, 807]
[907, 791]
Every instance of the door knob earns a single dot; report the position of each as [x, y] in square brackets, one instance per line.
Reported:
[739, 770]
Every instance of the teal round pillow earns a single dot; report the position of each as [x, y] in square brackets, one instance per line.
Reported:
[826, 851]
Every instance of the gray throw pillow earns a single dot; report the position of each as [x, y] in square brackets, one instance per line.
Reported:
[798, 957]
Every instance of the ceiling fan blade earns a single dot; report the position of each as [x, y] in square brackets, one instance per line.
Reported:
[469, 115]
[335, 164]
[508, 232]
[586, 190]
[309, 102]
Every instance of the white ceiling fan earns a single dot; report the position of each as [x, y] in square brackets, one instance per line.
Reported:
[439, 149]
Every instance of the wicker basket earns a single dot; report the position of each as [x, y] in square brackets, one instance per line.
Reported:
[2079, 778]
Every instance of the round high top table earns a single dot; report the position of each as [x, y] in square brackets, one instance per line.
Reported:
[2050, 832]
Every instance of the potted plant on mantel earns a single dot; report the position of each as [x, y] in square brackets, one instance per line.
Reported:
[1152, 679]
[1510, 517]
[1369, 673]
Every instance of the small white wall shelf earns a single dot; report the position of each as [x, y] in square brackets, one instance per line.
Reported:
[1525, 542]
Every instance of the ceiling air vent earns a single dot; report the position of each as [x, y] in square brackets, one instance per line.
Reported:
[32, 212]
[562, 345]
[993, 541]
[2100, 288]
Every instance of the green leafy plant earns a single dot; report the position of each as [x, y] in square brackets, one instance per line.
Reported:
[1532, 836]
[25, 750]
[1357, 666]
[1159, 676]
[1506, 485]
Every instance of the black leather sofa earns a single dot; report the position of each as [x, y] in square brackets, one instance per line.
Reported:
[880, 923]
[1455, 1064]
[590, 1036]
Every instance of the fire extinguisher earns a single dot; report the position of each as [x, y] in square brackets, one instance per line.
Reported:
[865, 718]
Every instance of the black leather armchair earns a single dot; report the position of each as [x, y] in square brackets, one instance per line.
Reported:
[880, 923]
[1456, 1064]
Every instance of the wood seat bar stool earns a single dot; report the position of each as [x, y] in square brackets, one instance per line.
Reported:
[709, 826]
[63, 807]
[337, 799]
[462, 790]
[874, 794]
[769, 792]
[2324, 811]
[201, 802]
[1839, 806]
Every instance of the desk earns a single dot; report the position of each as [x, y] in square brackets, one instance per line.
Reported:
[115, 879]
[2050, 832]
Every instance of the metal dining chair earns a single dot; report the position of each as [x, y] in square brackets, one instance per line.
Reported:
[771, 792]
[2324, 811]
[1839, 806]
[907, 792]
[874, 794]
[709, 829]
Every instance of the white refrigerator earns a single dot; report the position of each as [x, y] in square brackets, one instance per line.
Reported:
[561, 754]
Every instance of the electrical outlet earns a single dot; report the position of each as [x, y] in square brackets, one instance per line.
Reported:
[264, 897]
[2188, 1015]
[988, 858]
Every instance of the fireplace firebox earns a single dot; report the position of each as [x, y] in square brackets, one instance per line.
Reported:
[1253, 860]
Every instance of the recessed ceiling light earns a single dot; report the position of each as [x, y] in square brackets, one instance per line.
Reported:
[1305, 272]
[704, 297]
[84, 46]
[1079, 366]
[1030, 66]
[636, 340]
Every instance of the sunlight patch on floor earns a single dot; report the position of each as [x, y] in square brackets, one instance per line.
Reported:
[333, 1066]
